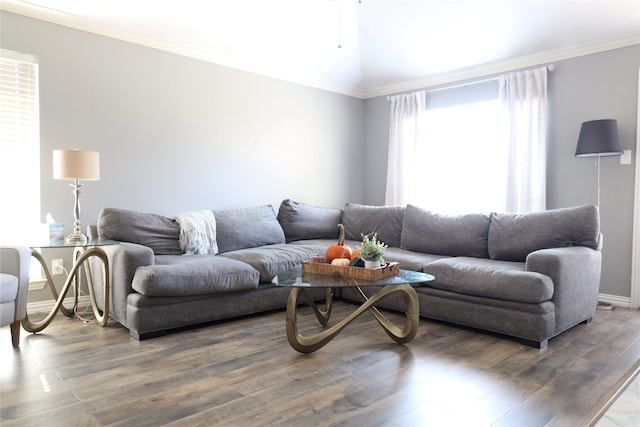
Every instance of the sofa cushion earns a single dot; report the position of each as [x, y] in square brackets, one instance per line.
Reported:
[364, 219]
[247, 228]
[487, 278]
[301, 221]
[453, 235]
[154, 231]
[513, 236]
[8, 290]
[179, 275]
[273, 259]
[410, 260]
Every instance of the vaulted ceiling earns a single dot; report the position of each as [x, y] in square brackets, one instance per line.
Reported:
[362, 48]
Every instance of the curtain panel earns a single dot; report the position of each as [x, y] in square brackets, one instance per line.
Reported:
[523, 95]
[404, 136]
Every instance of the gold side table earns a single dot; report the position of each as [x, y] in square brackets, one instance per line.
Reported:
[82, 253]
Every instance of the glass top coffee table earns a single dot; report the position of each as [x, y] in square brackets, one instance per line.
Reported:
[398, 285]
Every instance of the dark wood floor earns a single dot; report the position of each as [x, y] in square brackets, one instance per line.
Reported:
[244, 373]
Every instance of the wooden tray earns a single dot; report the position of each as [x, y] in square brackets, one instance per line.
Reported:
[361, 273]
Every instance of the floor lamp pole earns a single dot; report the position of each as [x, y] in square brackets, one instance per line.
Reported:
[598, 162]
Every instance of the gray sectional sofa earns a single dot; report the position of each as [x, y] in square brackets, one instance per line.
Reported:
[530, 276]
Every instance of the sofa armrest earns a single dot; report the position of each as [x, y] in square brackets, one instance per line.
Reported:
[124, 259]
[15, 260]
[575, 272]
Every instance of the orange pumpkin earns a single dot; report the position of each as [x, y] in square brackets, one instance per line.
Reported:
[355, 254]
[338, 250]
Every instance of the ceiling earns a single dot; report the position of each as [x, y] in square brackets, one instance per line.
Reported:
[362, 48]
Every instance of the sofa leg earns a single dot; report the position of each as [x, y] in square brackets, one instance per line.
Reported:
[587, 321]
[535, 344]
[147, 335]
[15, 333]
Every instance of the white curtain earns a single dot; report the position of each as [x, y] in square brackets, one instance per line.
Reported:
[523, 96]
[403, 140]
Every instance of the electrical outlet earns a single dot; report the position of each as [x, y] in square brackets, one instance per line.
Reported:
[625, 159]
[57, 266]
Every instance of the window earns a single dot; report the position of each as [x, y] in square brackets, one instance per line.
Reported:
[463, 151]
[476, 148]
[19, 147]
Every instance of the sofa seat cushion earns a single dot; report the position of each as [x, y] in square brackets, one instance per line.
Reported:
[501, 280]
[179, 275]
[270, 260]
[321, 245]
[8, 287]
[409, 260]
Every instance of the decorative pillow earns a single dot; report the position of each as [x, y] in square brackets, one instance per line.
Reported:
[364, 219]
[303, 222]
[159, 233]
[453, 235]
[513, 236]
[247, 228]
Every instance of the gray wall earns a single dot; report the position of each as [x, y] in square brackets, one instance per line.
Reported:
[176, 134]
[597, 86]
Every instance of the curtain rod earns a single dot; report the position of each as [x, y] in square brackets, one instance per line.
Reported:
[549, 67]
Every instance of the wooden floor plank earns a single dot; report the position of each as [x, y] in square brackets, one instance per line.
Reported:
[244, 373]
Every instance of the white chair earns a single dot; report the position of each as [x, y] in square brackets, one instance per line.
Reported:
[14, 286]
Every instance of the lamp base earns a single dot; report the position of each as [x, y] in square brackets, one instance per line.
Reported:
[77, 238]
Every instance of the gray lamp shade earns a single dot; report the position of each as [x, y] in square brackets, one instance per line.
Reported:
[599, 138]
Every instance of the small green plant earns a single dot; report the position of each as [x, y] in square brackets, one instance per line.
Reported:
[371, 248]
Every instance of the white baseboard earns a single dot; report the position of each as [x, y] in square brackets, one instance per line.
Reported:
[615, 300]
[47, 306]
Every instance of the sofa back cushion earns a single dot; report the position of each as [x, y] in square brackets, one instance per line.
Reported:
[157, 232]
[453, 235]
[364, 219]
[247, 228]
[303, 222]
[513, 236]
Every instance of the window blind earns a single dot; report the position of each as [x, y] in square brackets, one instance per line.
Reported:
[18, 97]
[19, 148]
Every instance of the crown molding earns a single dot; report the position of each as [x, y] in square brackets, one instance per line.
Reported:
[482, 71]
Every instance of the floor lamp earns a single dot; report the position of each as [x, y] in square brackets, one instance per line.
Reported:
[76, 165]
[599, 138]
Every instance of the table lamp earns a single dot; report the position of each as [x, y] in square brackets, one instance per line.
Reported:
[599, 138]
[76, 165]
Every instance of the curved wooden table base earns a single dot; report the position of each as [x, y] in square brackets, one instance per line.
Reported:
[309, 344]
[81, 259]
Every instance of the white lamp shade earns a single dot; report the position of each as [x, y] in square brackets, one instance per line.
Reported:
[76, 164]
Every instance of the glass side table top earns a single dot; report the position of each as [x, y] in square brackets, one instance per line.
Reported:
[65, 244]
[296, 278]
